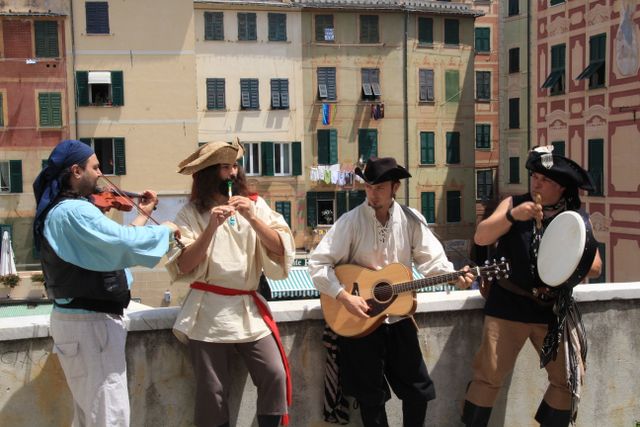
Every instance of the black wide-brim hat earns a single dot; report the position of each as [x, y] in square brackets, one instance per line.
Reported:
[380, 170]
[560, 169]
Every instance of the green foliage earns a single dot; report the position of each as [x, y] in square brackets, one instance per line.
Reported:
[10, 280]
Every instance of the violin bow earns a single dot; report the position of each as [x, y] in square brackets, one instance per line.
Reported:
[124, 194]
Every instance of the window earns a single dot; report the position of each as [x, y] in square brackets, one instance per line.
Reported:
[327, 146]
[556, 79]
[249, 94]
[10, 176]
[110, 153]
[596, 165]
[370, 84]
[514, 7]
[483, 85]
[602, 250]
[369, 29]
[514, 113]
[251, 159]
[425, 30]
[214, 26]
[326, 211]
[97, 13]
[426, 86]
[46, 38]
[514, 60]
[50, 109]
[453, 206]
[428, 206]
[1, 110]
[279, 94]
[555, 2]
[367, 144]
[324, 28]
[558, 147]
[100, 88]
[483, 40]
[452, 85]
[427, 148]
[483, 136]
[484, 184]
[453, 148]
[284, 209]
[277, 27]
[215, 94]
[595, 71]
[327, 83]
[514, 170]
[324, 207]
[451, 32]
[281, 158]
[247, 26]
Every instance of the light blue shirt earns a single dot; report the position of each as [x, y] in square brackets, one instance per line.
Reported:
[80, 234]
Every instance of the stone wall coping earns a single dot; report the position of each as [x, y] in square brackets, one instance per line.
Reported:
[144, 318]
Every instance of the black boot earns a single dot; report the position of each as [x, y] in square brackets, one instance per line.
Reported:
[550, 417]
[224, 425]
[373, 416]
[268, 420]
[413, 413]
[475, 416]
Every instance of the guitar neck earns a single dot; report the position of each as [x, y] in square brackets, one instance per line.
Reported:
[414, 285]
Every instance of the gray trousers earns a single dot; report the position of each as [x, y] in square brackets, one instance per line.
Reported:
[211, 367]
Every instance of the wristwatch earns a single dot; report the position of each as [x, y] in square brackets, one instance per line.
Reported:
[510, 217]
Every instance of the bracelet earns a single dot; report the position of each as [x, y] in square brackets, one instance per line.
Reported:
[510, 217]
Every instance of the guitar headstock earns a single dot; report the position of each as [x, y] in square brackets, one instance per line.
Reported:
[496, 269]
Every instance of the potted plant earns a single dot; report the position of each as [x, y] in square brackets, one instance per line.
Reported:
[10, 280]
[37, 278]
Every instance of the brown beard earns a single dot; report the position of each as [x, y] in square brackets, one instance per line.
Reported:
[208, 186]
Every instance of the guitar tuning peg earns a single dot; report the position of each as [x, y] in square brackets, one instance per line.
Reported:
[490, 278]
[506, 276]
[486, 262]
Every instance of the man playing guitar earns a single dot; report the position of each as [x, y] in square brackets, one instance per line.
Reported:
[375, 234]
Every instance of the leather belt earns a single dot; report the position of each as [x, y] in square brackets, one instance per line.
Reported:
[541, 295]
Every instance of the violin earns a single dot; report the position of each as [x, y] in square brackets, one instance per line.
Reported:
[106, 199]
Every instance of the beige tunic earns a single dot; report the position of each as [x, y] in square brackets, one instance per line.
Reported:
[235, 259]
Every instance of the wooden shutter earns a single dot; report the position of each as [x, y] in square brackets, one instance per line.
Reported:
[341, 203]
[117, 87]
[596, 165]
[1, 111]
[356, 198]
[86, 141]
[46, 39]
[367, 143]
[453, 147]
[97, 14]
[55, 105]
[82, 88]
[215, 94]
[514, 113]
[425, 30]
[453, 206]
[323, 147]
[15, 176]
[452, 85]
[284, 93]
[267, 158]
[427, 148]
[277, 26]
[558, 147]
[514, 60]
[451, 31]
[213, 26]
[312, 209]
[483, 37]
[275, 93]
[253, 92]
[284, 209]
[252, 26]
[428, 206]
[296, 158]
[211, 94]
[119, 158]
[333, 146]
[331, 83]
[514, 170]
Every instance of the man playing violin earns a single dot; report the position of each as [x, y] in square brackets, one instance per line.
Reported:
[377, 233]
[230, 240]
[84, 258]
[522, 307]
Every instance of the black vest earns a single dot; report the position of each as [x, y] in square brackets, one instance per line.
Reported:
[105, 292]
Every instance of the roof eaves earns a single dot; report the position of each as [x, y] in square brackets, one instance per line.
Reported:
[30, 13]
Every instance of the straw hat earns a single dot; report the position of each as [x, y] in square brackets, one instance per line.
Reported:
[212, 153]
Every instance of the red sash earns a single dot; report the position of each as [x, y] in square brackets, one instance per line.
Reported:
[268, 319]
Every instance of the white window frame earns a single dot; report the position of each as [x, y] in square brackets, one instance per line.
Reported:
[285, 158]
[247, 161]
[100, 78]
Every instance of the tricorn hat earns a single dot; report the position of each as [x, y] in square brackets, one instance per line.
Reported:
[380, 170]
[211, 153]
[560, 169]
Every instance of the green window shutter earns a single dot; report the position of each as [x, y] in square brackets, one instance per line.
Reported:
[451, 31]
[277, 26]
[50, 105]
[267, 158]
[427, 148]
[213, 26]
[597, 48]
[333, 146]
[514, 60]
[296, 157]
[452, 85]
[119, 157]
[56, 109]
[453, 206]
[44, 163]
[453, 148]
[323, 147]
[367, 143]
[86, 141]
[117, 87]
[284, 209]
[558, 147]
[558, 57]
[1, 112]
[15, 176]
[356, 198]
[425, 78]
[43, 106]
[483, 85]
[46, 39]
[428, 205]
[82, 88]
[483, 37]
[514, 113]
[514, 170]
[483, 136]
[425, 30]
[322, 22]
[312, 209]
[596, 165]
[341, 203]
[275, 93]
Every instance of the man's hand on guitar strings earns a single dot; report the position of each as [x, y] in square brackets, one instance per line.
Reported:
[354, 304]
[464, 282]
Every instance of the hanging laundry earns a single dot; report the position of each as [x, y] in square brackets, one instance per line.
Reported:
[377, 111]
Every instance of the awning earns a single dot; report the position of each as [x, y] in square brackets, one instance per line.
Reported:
[553, 78]
[99, 77]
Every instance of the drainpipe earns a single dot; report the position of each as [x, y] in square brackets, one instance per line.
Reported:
[405, 95]
[528, 76]
[73, 68]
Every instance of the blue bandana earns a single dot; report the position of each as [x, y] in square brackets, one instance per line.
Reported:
[47, 185]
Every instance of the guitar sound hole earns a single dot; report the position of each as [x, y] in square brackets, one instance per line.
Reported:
[383, 292]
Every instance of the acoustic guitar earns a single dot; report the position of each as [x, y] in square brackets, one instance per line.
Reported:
[388, 292]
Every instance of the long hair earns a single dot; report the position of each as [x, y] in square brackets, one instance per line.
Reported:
[207, 183]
